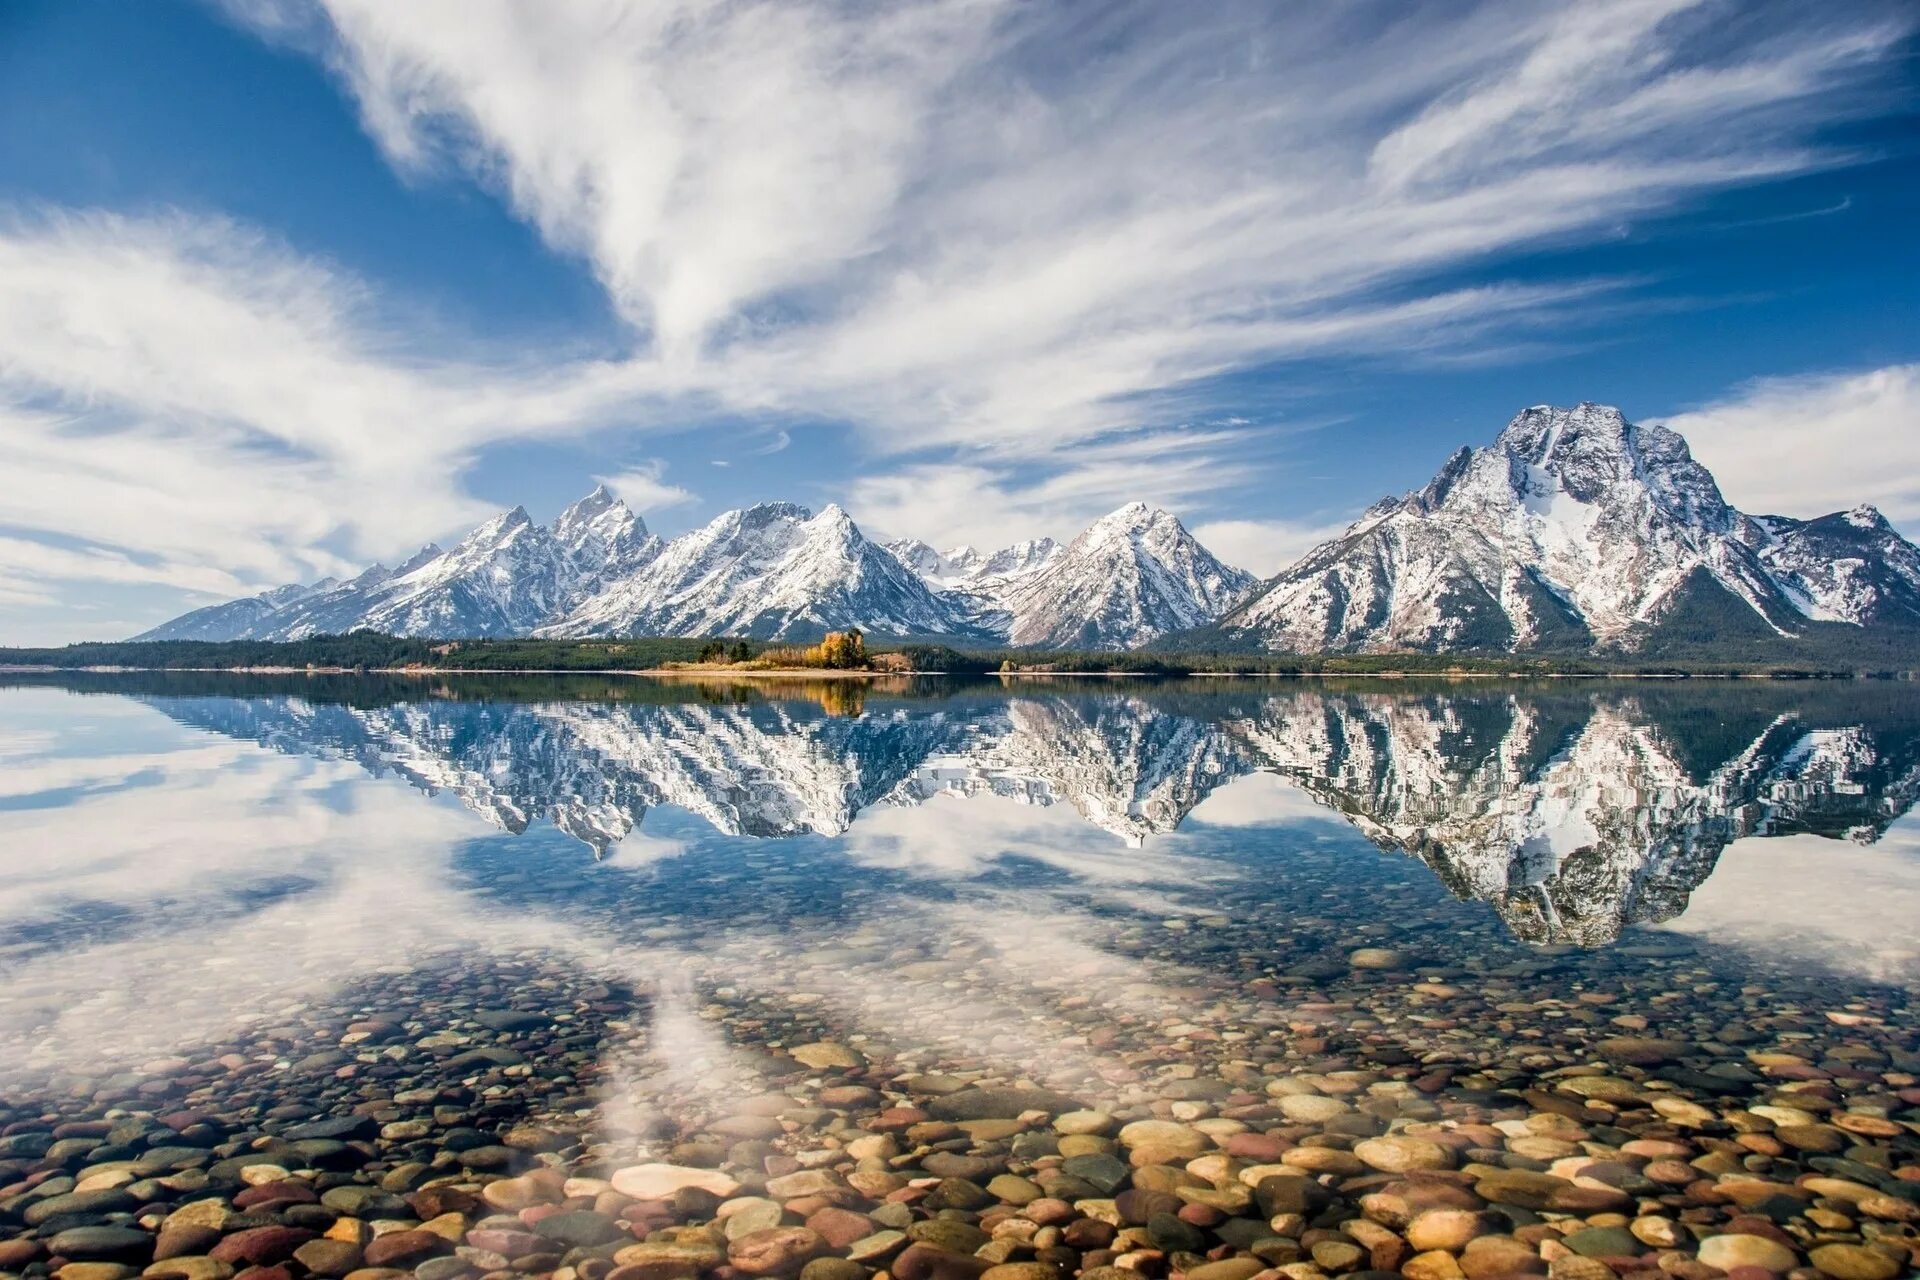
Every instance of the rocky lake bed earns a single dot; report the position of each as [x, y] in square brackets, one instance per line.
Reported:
[762, 1058]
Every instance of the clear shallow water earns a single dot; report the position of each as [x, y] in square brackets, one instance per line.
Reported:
[1103, 888]
[336, 826]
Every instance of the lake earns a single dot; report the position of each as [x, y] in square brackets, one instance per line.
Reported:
[608, 976]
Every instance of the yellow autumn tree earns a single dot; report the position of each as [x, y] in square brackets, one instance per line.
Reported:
[843, 650]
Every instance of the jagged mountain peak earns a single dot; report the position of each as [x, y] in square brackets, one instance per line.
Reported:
[1575, 526]
[1133, 517]
[1134, 575]
[775, 570]
[1867, 516]
[426, 554]
[505, 525]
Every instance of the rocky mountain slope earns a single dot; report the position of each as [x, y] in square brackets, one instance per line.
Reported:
[1574, 528]
[773, 571]
[1136, 574]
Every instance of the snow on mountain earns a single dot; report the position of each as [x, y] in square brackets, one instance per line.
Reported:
[772, 571]
[1847, 567]
[963, 568]
[233, 618]
[1133, 576]
[1574, 527]
[942, 572]
[603, 539]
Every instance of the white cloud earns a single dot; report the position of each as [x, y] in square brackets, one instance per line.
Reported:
[1807, 446]
[1264, 547]
[1852, 906]
[1260, 800]
[990, 506]
[644, 488]
[971, 221]
[999, 240]
[208, 410]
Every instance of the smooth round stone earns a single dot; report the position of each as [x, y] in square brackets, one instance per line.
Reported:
[579, 1229]
[1682, 1112]
[404, 1248]
[100, 1244]
[1228, 1269]
[1377, 958]
[95, 1271]
[1854, 1262]
[1311, 1108]
[260, 1246]
[94, 1203]
[189, 1268]
[660, 1255]
[745, 1216]
[1338, 1255]
[833, 1269]
[877, 1247]
[1738, 1250]
[1165, 1135]
[776, 1251]
[1431, 1266]
[1450, 1230]
[1640, 1051]
[208, 1213]
[1014, 1190]
[1611, 1088]
[1022, 1271]
[825, 1055]
[660, 1181]
[1320, 1160]
[1401, 1153]
[328, 1258]
[1603, 1242]
[1075, 1123]
[947, 1233]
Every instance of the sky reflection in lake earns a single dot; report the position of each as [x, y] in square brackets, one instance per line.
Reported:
[232, 850]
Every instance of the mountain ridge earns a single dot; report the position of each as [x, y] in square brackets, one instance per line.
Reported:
[1574, 531]
[772, 571]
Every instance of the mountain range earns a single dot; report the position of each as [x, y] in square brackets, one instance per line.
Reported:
[775, 571]
[1573, 815]
[1575, 530]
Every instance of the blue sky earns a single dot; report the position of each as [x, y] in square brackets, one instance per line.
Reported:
[286, 287]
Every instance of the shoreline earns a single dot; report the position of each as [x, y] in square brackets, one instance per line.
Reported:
[820, 673]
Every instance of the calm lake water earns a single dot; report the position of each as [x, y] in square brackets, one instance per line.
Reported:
[583, 923]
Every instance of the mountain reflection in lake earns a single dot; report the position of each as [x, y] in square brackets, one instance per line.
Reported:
[1573, 810]
[622, 908]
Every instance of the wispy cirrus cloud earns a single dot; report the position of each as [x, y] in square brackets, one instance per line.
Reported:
[644, 487]
[971, 222]
[1005, 244]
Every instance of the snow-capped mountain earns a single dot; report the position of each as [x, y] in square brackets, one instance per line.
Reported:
[603, 539]
[963, 568]
[1846, 567]
[1133, 576]
[773, 571]
[1575, 527]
